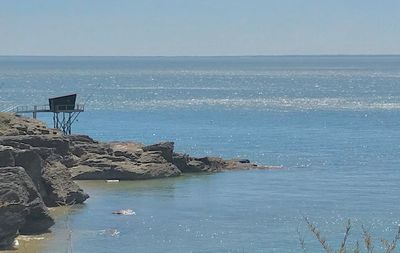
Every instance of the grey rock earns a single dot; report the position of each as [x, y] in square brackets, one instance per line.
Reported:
[212, 164]
[51, 178]
[152, 157]
[60, 144]
[196, 166]
[61, 190]
[6, 156]
[32, 163]
[125, 171]
[181, 161]
[21, 206]
[205, 164]
[166, 148]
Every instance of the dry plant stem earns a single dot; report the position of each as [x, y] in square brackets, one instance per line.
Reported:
[390, 247]
[301, 240]
[357, 248]
[342, 248]
[317, 234]
[368, 241]
[369, 244]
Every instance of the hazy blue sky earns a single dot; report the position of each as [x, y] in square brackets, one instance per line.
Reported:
[199, 27]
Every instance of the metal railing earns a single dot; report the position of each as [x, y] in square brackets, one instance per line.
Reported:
[60, 108]
[46, 108]
[35, 108]
[8, 108]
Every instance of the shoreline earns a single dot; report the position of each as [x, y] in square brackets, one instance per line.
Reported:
[39, 166]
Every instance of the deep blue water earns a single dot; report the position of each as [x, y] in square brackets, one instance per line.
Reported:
[331, 121]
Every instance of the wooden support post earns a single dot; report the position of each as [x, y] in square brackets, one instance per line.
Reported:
[34, 111]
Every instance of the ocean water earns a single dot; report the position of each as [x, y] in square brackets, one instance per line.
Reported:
[331, 121]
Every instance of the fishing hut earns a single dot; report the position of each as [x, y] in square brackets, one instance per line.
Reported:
[65, 111]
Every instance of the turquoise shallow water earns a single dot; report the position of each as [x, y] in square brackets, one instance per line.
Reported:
[331, 121]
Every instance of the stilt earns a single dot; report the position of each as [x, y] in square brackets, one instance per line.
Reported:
[64, 110]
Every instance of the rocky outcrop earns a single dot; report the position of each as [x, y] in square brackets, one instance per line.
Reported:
[188, 164]
[58, 144]
[22, 209]
[119, 160]
[60, 189]
[133, 161]
[125, 172]
[44, 166]
[6, 156]
[51, 160]
[38, 166]
[11, 124]
[166, 149]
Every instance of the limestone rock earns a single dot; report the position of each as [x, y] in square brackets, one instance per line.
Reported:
[125, 171]
[51, 178]
[247, 165]
[11, 124]
[61, 190]
[6, 156]
[181, 161]
[166, 148]
[152, 157]
[60, 144]
[204, 164]
[21, 206]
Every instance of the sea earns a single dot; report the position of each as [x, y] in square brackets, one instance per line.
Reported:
[331, 122]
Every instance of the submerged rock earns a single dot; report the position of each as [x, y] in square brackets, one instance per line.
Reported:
[124, 212]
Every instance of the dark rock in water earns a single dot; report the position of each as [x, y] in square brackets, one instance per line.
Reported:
[181, 161]
[239, 165]
[49, 161]
[61, 190]
[21, 206]
[159, 170]
[212, 164]
[204, 164]
[126, 161]
[196, 166]
[243, 160]
[125, 171]
[166, 148]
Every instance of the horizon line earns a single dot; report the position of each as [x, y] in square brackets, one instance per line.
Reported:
[210, 56]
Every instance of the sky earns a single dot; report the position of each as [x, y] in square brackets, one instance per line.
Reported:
[199, 27]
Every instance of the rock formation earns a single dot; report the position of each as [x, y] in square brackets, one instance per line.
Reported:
[38, 166]
[22, 209]
[41, 156]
